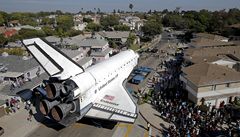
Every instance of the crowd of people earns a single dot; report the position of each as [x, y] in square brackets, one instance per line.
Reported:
[188, 119]
[12, 105]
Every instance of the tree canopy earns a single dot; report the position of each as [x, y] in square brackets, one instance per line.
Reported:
[152, 27]
[64, 22]
[109, 21]
[93, 27]
[121, 28]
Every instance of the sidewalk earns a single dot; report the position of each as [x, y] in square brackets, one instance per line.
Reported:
[152, 116]
[17, 125]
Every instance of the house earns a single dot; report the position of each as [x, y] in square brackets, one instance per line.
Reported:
[95, 18]
[53, 40]
[27, 27]
[78, 22]
[19, 69]
[196, 55]
[75, 55]
[210, 37]
[215, 84]
[14, 23]
[208, 43]
[85, 62]
[98, 48]
[119, 37]
[10, 32]
[99, 56]
[133, 22]
[76, 40]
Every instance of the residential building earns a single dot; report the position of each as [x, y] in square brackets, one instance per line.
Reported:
[27, 27]
[212, 84]
[10, 32]
[101, 55]
[98, 48]
[14, 23]
[196, 55]
[53, 40]
[78, 22]
[210, 37]
[19, 69]
[133, 22]
[119, 37]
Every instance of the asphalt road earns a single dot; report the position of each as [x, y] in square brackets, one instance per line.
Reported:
[84, 128]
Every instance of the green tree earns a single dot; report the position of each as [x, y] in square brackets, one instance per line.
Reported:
[73, 32]
[30, 33]
[48, 30]
[47, 21]
[3, 40]
[65, 22]
[109, 21]
[88, 20]
[130, 6]
[152, 28]
[93, 27]
[121, 28]
[1, 20]
[130, 40]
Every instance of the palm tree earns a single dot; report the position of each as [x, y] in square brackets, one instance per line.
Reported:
[131, 6]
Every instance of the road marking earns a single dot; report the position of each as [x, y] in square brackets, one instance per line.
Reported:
[78, 125]
[129, 129]
[146, 133]
[122, 125]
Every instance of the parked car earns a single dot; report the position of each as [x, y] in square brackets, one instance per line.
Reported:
[1, 131]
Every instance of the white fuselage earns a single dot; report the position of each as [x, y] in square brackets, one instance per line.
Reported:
[97, 77]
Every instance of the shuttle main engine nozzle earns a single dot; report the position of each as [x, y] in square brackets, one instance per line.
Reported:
[53, 90]
[45, 106]
[60, 111]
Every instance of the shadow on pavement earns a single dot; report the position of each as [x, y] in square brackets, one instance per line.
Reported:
[163, 127]
[98, 123]
[48, 122]
[142, 127]
[56, 126]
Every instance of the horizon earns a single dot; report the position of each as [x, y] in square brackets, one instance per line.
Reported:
[75, 6]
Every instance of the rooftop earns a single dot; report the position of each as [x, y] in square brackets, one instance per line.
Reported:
[93, 43]
[210, 36]
[17, 63]
[71, 53]
[208, 53]
[84, 60]
[204, 42]
[73, 40]
[114, 34]
[28, 85]
[103, 53]
[52, 39]
[204, 74]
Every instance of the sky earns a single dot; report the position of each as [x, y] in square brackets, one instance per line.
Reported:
[108, 5]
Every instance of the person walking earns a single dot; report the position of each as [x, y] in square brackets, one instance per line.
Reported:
[148, 126]
[30, 114]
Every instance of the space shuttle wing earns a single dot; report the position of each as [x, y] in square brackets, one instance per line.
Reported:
[114, 104]
[54, 62]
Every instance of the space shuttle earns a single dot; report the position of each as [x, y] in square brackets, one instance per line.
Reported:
[72, 93]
